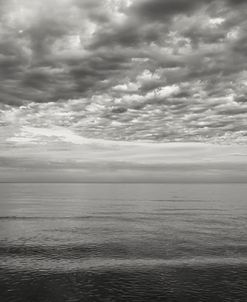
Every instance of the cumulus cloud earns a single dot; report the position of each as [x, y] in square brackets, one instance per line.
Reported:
[156, 70]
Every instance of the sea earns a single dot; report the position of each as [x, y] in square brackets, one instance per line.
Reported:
[123, 242]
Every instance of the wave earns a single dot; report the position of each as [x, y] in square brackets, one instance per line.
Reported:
[97, 263]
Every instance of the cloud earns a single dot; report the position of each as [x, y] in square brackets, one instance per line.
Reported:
[160, 70]
[160, 9]
[63, 159]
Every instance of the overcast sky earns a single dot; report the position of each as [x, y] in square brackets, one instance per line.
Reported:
[131, 90]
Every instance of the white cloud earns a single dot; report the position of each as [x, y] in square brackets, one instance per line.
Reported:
[216, 21]
[128, 87]
[39, 135]
[147, 75]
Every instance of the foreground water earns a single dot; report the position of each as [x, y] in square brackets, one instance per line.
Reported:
[123, 242]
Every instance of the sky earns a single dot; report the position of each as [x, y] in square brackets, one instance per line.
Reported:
[123, 90]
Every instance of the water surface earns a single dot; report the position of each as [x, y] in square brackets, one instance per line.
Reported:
[123, 242]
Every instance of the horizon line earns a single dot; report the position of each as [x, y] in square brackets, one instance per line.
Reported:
[123, 182]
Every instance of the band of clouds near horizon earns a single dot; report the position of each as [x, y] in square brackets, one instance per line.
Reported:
[140, 72]
[59, 155]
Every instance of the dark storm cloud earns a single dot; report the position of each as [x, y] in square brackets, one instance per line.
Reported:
[241, 99]
[129, 34]
[236, 2]
[166, 8]
[163, 9]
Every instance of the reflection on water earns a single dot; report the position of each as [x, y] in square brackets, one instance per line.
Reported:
[123, 242]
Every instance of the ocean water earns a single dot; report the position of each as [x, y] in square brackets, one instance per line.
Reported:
[123, 242]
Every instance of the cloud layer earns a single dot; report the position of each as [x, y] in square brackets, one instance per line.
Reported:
[155, 70]
[36, 158]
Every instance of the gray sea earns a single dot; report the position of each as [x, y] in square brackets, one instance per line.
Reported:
[123, 242]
